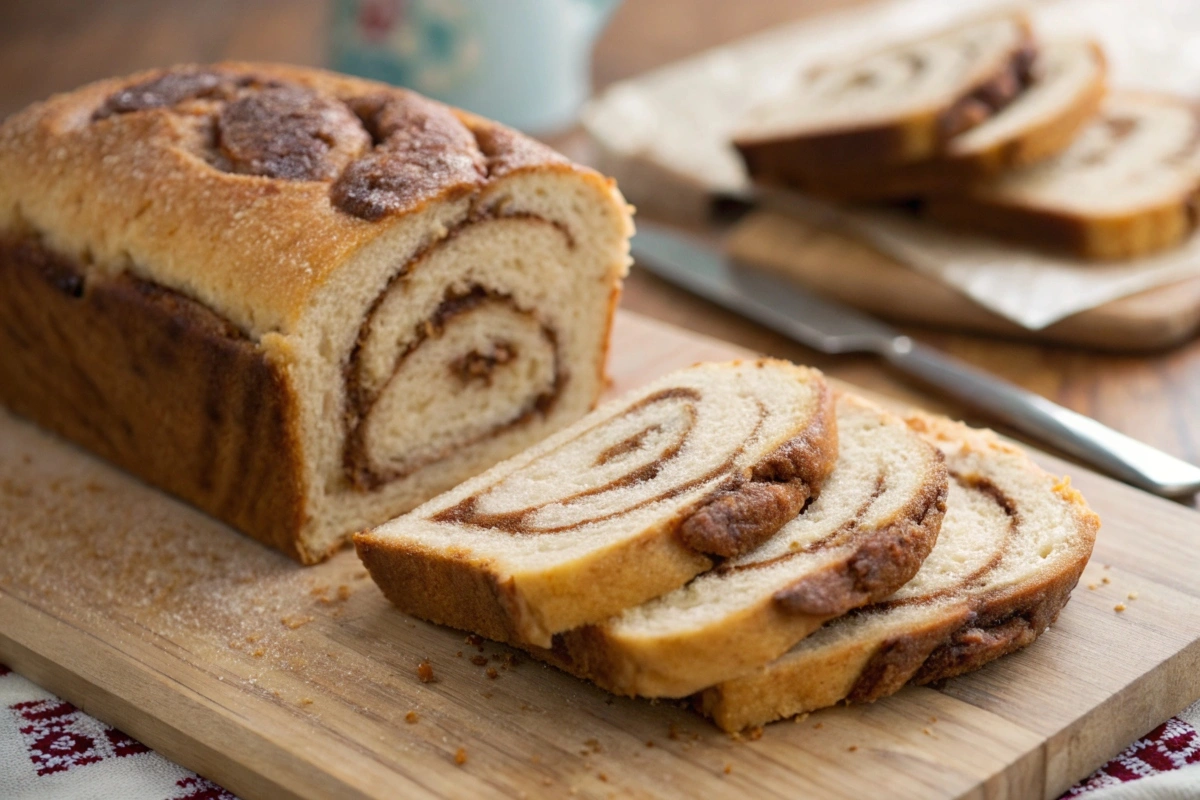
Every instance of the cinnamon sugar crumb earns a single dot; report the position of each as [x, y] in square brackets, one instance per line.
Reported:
[425, 671]
[460, 756]
[412, 717]
[1119, 607]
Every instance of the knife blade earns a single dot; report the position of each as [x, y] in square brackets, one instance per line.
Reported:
[831, 327]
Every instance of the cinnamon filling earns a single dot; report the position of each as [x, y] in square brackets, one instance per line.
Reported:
[991, 97]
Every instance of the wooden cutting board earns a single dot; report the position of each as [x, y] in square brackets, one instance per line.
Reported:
[837, 264]
[277, 680]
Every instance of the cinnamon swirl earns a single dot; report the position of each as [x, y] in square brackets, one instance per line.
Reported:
[626, 504]
[1012, 546]
[865, 535]
[304, 303]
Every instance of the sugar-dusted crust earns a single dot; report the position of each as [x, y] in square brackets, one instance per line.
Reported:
[138, 188]
[957, 635]
[785, 160]
[456, 586]
[261, 212]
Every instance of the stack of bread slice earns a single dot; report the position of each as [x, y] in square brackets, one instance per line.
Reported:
[995, 131]
[736, 534]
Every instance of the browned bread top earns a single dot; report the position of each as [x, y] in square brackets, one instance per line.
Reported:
[245, 185]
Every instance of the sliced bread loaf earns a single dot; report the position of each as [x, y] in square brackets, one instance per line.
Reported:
[627, 504]
[1126, 187]
[1066, 92]
[892, 107]
[1012, 546]
[874, 522]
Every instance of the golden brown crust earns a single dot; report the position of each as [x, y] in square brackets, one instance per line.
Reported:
[156, 157]
[155, 383]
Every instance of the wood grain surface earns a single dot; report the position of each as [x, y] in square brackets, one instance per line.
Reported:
[56, 45]
[277, 680]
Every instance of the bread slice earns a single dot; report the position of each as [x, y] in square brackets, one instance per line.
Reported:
[1126, 187]
[1013, 544]
[892, 107]
[1067, 89]
[874, 522]
[303, 302]
[629, 503]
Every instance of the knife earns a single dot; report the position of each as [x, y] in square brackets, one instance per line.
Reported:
[831, 327]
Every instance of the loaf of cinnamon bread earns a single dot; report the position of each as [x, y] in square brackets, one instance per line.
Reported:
[302, 302]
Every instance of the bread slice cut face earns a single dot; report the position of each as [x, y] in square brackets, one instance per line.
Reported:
[1012, 546]
[874, 522]
[1067, 88]
[627, 504]
[1126, 186]
[891, 107]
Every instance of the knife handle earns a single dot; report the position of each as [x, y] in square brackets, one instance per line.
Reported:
[1082, 437]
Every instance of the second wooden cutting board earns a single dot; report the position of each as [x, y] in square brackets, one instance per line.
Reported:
[845, 268]
[276, 680]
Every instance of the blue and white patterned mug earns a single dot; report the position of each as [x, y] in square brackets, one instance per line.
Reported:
[523, 62]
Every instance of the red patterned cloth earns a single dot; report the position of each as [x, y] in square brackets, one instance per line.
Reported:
[49, 748]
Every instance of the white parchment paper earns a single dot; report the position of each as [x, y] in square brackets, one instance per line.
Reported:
[680, 119]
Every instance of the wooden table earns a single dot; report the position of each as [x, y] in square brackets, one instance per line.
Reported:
[54, 45]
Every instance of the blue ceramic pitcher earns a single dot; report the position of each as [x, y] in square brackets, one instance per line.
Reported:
[523, 62]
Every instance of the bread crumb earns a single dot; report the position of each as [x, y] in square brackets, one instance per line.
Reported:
[474, 640]
[672, 732]
[295, 622]
[259, 653]
[460, 756]
[252, 639]
[1092, 586]
[425, 671]
[594, 744]
[306, 701]
[1105, 580]
[361, 575]
[818, 726]
[926, 731]
[728, 768]
[755, 733]
[479, 661]
[1119, 607]
[800, 718]
[458, 654]
[933, 719]
[1108, 566]
[343, 592]
[649, 743]
[491, 673]
[1132, 596]
[603, 777]
[853, 748]
[412, 717]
